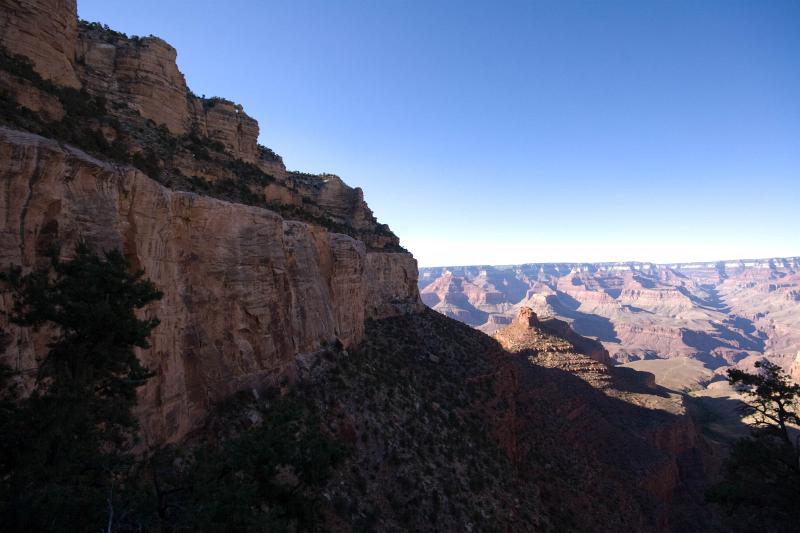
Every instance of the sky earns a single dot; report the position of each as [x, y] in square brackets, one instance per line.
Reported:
[504, 132]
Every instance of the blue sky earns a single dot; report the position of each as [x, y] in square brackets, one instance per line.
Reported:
[509, 132]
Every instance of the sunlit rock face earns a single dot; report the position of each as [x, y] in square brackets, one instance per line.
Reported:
[245, 291]
[146, 96]
[724, 314]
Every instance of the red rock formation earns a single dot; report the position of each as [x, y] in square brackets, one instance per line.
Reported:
[142, 73]
[44, 31]
[553, 344]
[650, 429]
[226, 122]
[722, 313]
[244, 290]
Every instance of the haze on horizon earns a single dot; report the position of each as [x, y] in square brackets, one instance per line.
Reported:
[488, 133]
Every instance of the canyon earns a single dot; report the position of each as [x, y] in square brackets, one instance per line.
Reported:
[283, 283]
[723, 314]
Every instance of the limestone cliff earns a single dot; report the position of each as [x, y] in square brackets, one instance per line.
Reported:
[45, 32]
[124, 99]
[245, 291]
[101, 139]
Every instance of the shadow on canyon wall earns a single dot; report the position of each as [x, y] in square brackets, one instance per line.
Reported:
[585, 324]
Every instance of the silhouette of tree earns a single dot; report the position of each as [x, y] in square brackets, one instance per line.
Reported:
[64, 447]
[771, 398]
[760, 486]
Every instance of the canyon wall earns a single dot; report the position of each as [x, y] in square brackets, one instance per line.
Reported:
[247, 288]
[729, 313]
[46, 33]
[245, 291]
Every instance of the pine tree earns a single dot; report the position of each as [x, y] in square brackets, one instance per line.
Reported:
[65, 447]
[760, 486]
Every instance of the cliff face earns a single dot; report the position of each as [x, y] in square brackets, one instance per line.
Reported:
[124, 99]
[247, 288]
[245, 291]
[45, 32]
[142, 73]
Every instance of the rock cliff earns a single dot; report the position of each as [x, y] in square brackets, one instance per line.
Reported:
[101, 139]
[123, 99]
[44, 32]
[245, 290]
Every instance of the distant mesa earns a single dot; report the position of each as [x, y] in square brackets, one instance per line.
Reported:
[719, 313]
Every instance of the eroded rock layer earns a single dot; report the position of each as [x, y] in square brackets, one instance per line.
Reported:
[123, 99]
[723, 314]
[245, 291]
[619, 417]
[46, 33]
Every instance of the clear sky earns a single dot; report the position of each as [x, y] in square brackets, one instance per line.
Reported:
[520, 131]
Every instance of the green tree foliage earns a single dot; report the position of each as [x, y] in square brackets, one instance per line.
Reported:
[65, 461]
[760, 488]
[265, 478]
[64, 450]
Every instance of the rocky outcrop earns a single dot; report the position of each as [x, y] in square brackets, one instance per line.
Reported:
[723, 313]
[654, 436]
[44, 31]
[527, 330]
[794, 371]
[226, 122]
[391, 285]
[141, 73]
[245, 291]
[553, 344]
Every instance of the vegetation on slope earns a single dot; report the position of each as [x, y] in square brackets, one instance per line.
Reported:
[426, 425]
[64, 455]
[760, 486]
[116, 132]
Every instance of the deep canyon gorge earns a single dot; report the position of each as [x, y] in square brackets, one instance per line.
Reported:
[471, 398]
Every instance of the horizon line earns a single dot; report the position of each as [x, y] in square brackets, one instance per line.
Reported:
[615, 263]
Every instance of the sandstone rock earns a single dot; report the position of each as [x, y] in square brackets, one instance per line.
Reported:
[226, 122]
[527, 318]
[142, 73]
[391, 285]
[794, 371]
[529, 332]
[28, 96]
[183, 137]
[245, 291]
[45, 31]
[721, 313]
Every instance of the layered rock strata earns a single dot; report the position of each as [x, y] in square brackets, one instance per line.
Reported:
[729, 313]
[653, 433]
[245, 291]
[45, 32]
[124, 99]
